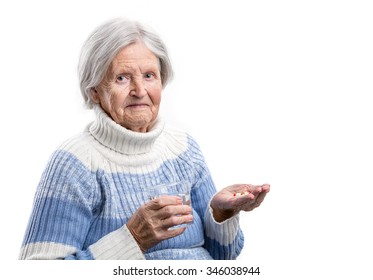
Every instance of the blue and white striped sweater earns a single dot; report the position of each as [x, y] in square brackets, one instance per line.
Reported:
[95, 182]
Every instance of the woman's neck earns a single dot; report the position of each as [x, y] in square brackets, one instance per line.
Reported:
[120, 139]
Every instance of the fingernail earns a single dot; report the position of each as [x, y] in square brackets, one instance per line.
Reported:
[187, 209]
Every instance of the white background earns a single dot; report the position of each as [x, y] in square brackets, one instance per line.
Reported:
[273, 91]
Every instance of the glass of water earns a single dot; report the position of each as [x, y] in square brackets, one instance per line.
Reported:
[180, 189]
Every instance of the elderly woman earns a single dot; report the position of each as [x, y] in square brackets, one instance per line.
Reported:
[92, 200]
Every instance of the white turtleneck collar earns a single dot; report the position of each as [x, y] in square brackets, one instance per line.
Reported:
[120, 139]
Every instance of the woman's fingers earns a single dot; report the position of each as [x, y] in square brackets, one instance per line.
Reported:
[151, 223]
[162, 201]
[247, 197]
[175, 220]
[256, 202]
[166, 206]
[168, 211]
[170, 233]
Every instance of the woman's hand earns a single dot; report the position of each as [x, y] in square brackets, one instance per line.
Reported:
[150, 224]
[231, 200]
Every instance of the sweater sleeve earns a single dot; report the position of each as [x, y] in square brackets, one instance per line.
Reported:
[224, 241]
[65, 204]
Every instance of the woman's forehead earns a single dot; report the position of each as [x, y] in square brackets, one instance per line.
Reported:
[136, 51]
[134, 56]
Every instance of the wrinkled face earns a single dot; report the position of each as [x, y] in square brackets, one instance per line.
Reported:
[130, 93]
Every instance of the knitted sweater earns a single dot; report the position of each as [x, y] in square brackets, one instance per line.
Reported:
[94, 182]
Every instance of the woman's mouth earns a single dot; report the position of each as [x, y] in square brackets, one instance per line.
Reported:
[137, 106]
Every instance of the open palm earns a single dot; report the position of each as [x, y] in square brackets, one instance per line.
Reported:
[238, 197]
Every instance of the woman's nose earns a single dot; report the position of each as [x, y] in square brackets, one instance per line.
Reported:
[138, 88]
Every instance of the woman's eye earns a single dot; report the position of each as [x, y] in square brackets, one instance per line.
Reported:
[122, 78]
[149, 76]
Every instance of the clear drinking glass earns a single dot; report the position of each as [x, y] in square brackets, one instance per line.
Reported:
[180, 189]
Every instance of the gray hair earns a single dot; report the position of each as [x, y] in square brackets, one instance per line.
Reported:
[105, 42]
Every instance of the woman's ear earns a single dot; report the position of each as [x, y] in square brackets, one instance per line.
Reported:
[95, 95]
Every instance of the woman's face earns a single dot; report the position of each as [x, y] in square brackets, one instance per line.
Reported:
[130, 93]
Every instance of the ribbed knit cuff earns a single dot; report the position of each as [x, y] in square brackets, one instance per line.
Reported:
[224, 232]
[117, 245]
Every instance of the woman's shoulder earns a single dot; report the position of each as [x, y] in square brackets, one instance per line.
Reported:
[181, 139]
[76, 148]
